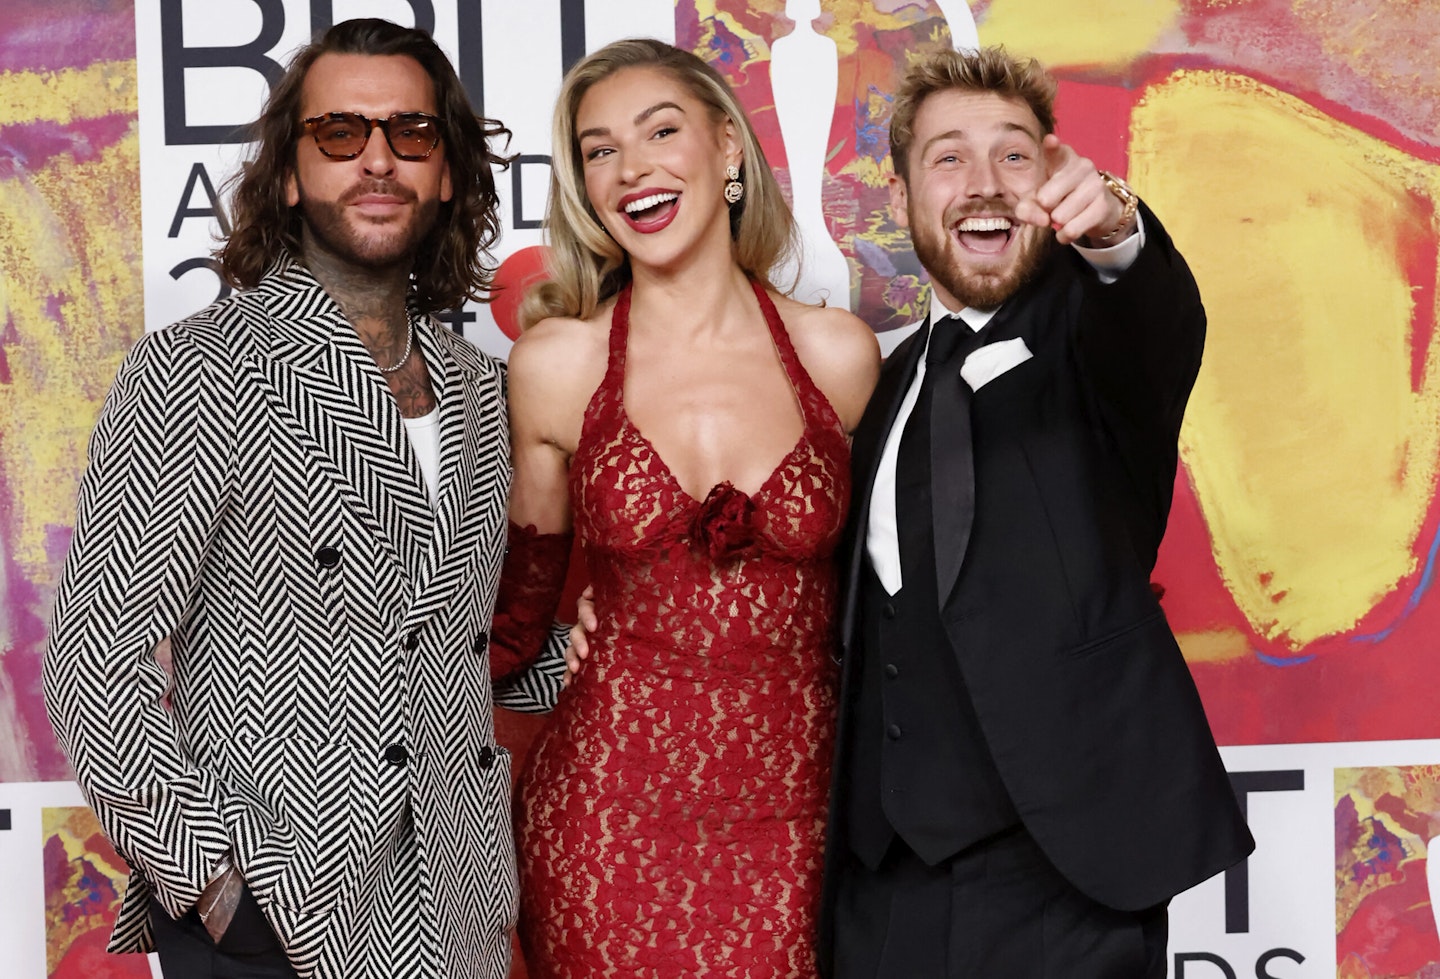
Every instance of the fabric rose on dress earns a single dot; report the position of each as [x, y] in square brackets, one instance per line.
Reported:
[727, 525]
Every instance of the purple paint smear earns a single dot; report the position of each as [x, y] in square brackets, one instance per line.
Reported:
[47, 35]
[42, 36]
[27, 611]
[29, 147]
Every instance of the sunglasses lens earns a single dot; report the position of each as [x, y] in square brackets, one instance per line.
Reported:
[341, 134]
[412, 135]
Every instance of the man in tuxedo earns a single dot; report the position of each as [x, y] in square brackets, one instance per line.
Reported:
[303, 488]
[1025, 775]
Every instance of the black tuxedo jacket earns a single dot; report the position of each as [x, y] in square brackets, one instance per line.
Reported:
[1086, 704]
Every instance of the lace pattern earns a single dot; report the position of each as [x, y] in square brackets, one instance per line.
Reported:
[531, 582]
[673, 810]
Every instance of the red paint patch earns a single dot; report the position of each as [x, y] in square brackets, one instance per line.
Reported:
[513, 279]
[1393, 930]
[1419, 257]
[1095, 121]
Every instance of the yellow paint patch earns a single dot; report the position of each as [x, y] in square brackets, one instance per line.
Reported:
[1072, 33]
[712, 18]
[71, 288]
[102, 89]
[1313, 459]
[848, 21]
[1214, 646]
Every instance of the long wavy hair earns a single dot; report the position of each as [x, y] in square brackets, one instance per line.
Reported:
[586, 266]
[451, 263]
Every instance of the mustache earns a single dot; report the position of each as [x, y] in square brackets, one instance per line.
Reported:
[387, 188]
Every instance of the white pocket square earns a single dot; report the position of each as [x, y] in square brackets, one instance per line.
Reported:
[992, 360]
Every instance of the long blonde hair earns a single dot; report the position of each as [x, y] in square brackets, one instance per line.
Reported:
[586, 266]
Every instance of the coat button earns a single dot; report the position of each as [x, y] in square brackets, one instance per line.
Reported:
[412, 642]
[487, 757]
[888, 611]
[481, 645]
[327, 557]
[893, 732]
[891, 670]
[396, 754]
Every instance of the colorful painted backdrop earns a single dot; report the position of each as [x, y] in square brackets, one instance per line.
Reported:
[70, 306]
[1291, 146]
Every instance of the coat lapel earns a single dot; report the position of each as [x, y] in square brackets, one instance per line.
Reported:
[472, 417]
[325, 380]
[870, 437]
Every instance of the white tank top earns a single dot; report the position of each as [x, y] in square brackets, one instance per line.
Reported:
[424, 433]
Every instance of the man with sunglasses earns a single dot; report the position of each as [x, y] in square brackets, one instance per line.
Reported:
[302, 491]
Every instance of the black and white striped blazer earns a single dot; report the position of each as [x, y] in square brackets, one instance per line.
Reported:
[251, 496]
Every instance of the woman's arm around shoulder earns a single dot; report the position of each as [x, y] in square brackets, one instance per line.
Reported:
[839, 352]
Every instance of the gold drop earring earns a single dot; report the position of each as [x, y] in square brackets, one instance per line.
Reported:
[734, 189]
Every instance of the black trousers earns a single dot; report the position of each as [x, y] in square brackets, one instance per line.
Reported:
[997, 910]
[248, 949]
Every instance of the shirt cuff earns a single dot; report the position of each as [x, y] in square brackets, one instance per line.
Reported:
[1110, 263]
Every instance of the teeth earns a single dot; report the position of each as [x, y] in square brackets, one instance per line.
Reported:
[645, 203]
[984, 224]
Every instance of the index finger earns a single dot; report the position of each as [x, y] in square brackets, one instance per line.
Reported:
[1057, 154]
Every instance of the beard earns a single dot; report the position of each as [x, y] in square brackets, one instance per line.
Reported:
[972, 288]
[360, 242]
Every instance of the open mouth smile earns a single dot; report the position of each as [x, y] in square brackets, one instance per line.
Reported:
[648, 211]
[984, 235]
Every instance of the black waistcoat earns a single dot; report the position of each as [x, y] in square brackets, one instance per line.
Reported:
[920, 765]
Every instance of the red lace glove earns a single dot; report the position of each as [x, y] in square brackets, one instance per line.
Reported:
[531, 581]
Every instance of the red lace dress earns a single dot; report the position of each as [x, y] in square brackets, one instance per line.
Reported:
[673, 809]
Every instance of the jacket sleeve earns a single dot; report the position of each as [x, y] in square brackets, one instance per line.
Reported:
[1140, 338]
[1139, 342]
[149, 505]
[537, 688]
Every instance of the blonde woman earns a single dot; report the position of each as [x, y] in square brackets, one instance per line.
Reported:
[690, 423]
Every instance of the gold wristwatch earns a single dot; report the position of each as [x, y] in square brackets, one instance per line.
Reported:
[1129, 201]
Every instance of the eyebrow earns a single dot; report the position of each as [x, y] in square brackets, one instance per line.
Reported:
[1009, 127]
[639, 118]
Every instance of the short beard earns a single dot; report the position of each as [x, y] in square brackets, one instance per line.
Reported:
[984, 290]
[327, 225]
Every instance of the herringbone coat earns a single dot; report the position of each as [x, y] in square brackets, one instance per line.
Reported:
[251, 495]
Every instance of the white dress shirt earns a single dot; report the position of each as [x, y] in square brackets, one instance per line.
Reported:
[882, 540]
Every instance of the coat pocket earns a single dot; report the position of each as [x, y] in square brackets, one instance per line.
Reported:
[500, 888]
[308, 788]
[1099, 645]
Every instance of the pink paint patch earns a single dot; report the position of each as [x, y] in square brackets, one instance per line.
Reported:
[29, 147]
[47, 35]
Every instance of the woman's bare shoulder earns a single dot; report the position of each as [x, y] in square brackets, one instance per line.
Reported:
[839, 352]
[555, 367]
[561, 346]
